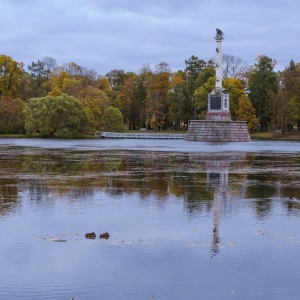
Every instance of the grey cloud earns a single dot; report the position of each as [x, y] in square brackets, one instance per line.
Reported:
[125, 34]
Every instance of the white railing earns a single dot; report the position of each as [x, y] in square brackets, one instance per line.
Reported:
[118, 135]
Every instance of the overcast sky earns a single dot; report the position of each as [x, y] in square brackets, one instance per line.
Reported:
[126, 34]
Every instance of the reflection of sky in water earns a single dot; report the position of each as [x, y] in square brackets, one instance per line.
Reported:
[161, 212]
[156, 145]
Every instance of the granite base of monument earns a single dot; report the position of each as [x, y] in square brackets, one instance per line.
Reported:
[217, 131]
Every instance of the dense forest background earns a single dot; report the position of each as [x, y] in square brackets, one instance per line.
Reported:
[71, 100]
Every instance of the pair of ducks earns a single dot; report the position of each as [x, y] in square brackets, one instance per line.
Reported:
[92, 235]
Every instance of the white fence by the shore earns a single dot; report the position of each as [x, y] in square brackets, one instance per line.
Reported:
[118, 135]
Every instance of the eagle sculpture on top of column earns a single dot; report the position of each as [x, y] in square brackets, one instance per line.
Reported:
[220, 32]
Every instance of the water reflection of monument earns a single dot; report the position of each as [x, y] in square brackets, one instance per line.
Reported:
[217, 166]
[217, 179]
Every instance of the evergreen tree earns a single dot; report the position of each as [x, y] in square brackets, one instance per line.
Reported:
[262, 80]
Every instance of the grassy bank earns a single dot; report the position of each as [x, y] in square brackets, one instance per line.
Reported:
[274, 136]
[13, 136]
[24, 136]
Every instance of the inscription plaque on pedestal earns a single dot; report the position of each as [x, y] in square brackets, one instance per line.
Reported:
[215, 102]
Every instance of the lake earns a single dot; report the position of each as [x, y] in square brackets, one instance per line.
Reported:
[186, 220]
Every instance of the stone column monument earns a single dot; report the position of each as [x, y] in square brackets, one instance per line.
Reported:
[219, 37]
[218, 100]
[218, 126]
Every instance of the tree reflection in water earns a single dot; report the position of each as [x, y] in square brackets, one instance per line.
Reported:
[199, 179]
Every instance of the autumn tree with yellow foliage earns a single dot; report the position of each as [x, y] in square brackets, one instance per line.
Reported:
[235, 90]
[156, 106]
[12, 115]
[246, 112]
[95, 103]
[10, 73]
[128, 104]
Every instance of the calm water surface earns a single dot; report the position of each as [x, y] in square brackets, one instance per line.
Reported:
[186, 220]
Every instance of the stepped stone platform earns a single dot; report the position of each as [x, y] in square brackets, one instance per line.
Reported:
[217, 131]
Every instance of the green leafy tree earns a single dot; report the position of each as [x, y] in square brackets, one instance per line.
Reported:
[201, 96]
[40, 72]
[39, 76]
[178, 98]
[61, 117]
[112, 120]
[193, 68]
[197, 73]
[12, 115]
[207, 72]
[262, 80]
[234, 88]
[290, 85]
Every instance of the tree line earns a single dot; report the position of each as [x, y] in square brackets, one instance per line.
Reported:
[71, 100]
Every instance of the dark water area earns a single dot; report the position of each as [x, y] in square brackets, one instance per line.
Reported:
[186, 220]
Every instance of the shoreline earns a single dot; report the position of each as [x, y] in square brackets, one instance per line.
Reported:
[255, 136]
